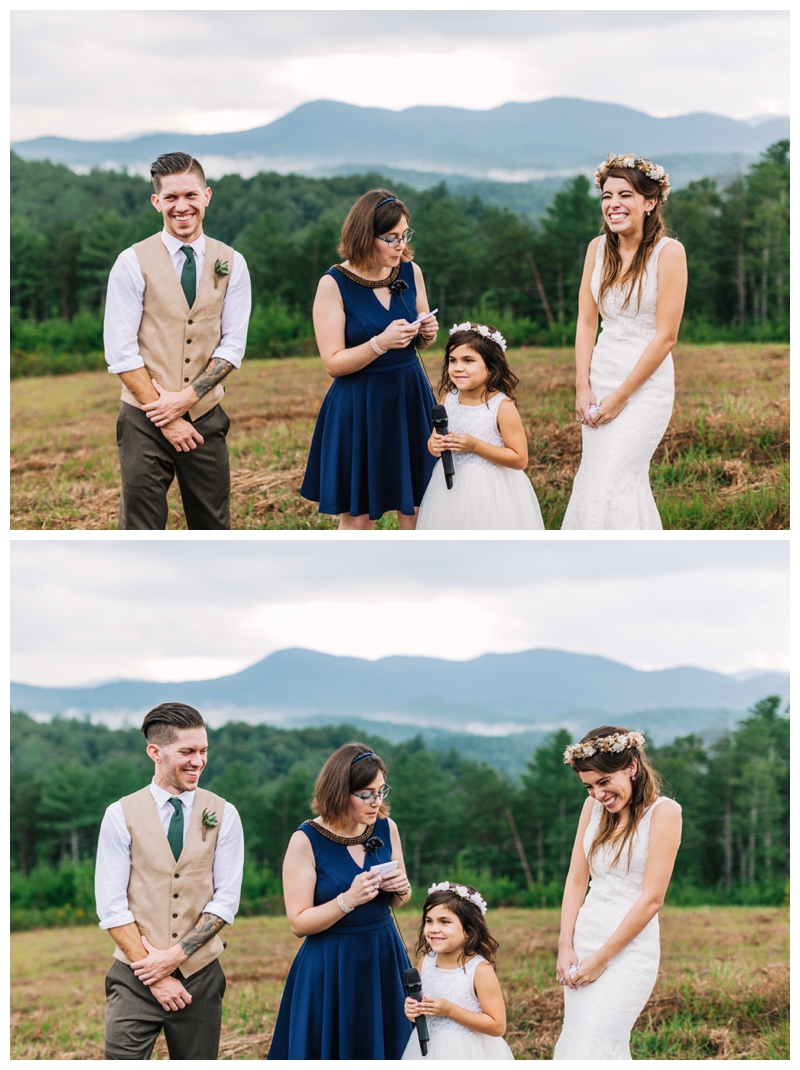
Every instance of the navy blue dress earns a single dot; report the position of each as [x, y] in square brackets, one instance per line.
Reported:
[369, 452]
[344, 994]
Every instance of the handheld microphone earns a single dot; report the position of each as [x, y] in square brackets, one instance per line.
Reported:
[439, 417]
[413, 987]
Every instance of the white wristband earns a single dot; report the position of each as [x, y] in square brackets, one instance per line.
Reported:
[343, 905]
[373, 342]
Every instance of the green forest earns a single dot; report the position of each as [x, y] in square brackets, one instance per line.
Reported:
[458, 819]
[479, 260]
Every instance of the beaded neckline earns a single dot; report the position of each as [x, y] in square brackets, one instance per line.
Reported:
[371, 284]
[346, 841]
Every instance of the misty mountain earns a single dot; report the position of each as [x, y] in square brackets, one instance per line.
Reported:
[519, 142]
[494, 694]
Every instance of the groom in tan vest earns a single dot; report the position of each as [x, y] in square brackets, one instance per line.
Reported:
[168, 878]
[175, 325]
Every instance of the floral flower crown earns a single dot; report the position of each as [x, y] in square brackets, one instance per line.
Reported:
[652, 170]
[615, 744]
[482, 329]
[461, 890]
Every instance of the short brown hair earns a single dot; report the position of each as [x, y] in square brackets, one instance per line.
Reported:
[175, 163]
[352, 767]
[366, 219]
[162, 723]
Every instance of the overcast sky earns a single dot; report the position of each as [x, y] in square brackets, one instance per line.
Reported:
[90, 611]
[106, 74]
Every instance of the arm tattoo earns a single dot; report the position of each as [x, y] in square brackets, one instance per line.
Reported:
[207, 926]
[215, 371]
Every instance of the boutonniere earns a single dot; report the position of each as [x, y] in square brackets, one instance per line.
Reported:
[220, 268]
[209, 820]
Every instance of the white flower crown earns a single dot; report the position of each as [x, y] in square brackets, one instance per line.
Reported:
[461, 890]
[615, 744]
[652, 170]
[482, 329]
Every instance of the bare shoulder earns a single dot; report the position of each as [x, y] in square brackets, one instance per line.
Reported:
[417, 272]
[300, 845]
[672, 253]
[667, 814]
[327, 285]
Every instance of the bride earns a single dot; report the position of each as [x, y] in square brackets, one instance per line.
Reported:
[608, 951]
[635, 276]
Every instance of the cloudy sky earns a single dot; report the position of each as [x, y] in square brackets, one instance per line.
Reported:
[85, 611]
[107, 74]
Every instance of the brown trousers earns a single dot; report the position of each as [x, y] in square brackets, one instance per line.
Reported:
[134, 1017]
[149, 464]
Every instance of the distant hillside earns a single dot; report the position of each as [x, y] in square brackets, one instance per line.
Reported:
[514, 142]
[494, 694]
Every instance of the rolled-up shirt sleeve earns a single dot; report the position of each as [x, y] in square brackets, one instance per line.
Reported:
[113, 870]
[228, 866]
[123, 314]
[235, 314]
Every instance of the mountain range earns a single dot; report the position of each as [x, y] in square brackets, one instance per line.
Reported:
[495, 694]
[513, 142]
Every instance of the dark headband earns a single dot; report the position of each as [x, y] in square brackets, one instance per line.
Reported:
[384, 201]
[367, 753]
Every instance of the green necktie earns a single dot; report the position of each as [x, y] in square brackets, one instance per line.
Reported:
[175, 833]
[189, 275]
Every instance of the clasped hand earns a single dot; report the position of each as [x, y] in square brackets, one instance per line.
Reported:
[158, 964]
[607, 408]
[430, 1008]
[171, 405]
[454, 443]
[592, 967]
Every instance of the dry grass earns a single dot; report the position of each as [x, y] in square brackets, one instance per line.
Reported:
[723, 991]
[723, 463]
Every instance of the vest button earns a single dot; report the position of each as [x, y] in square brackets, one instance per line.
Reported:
[177, 875]
[186, 361]
[185, 381]
[188, 341]
[174, 895]
[174, 915]
[190, 322]
[174, 936]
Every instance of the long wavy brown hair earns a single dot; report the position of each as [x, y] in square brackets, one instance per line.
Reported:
[479, 941]
[654, 230]
[646, 789]
[501, 378]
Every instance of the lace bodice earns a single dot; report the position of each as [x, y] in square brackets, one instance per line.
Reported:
[477, 420]
[456, 985]
[638, 320]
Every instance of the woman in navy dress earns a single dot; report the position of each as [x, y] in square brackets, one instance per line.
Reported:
[369, 452]
[344, 994]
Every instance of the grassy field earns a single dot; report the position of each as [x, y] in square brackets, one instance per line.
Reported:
[723, 991]
[723, 463]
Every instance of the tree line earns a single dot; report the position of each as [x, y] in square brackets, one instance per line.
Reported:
[458, 819]
[478, 259]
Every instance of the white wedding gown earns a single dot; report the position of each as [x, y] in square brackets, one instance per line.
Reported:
[598, 1017]
[612, 487]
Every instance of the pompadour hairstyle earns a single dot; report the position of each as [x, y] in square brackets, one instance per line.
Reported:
[162, 724]
[175, 163]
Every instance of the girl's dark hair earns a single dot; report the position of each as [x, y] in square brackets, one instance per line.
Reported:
[501, 376]
[479, 941]
[340, 777]
[646, 788]
[365, 221]
[654, 230]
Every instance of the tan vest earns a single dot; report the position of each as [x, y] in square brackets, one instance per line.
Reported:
[176, 342]
[159, 888]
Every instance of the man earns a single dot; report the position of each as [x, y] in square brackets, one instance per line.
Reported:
[175, 325]
[168, 878]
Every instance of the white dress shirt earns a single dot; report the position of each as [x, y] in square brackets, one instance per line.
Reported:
[113, 868]
[123, 313]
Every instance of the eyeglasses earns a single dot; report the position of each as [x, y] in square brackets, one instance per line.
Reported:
[372, 796]
[406, 238]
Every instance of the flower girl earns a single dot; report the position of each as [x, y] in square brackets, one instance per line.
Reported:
[461, 995]
[486, 437]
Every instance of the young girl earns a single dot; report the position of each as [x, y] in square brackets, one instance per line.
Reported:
[461, 995]
[485, 436]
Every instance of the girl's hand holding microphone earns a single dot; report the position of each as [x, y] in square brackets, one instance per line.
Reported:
[430, 1008]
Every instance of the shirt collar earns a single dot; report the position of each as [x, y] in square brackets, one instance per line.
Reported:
[173, 244]
[162, 797]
